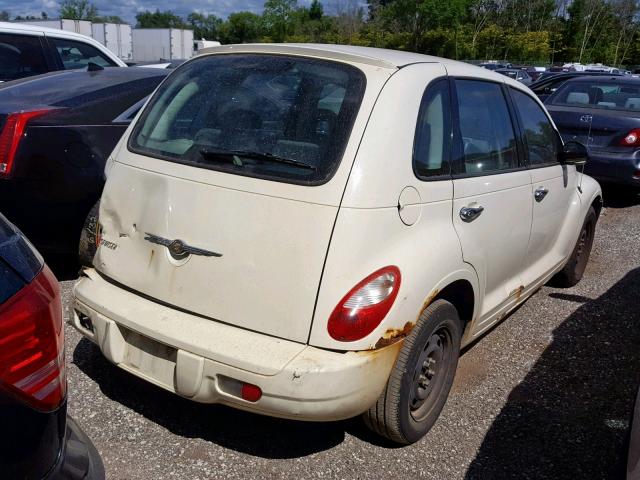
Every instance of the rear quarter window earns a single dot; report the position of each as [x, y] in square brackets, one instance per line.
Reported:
[276, 117]
[20, 56]
[599, 94]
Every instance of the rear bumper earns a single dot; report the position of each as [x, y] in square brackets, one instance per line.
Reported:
[620, 167]
[80, 459]
[207, 361]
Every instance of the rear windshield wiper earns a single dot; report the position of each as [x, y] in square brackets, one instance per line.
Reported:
[233, 156]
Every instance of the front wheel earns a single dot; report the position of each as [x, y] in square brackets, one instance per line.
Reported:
[572, 272]
[421, 378]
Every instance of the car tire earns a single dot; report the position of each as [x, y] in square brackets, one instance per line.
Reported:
[572, 272]
[421, 378]
[88, 246]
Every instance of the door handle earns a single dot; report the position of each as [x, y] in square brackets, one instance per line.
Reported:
[540, 193]
[469, 214]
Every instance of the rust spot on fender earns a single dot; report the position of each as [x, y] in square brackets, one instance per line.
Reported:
[392, 335]
[151, 257]
[393, 346]
[428, 301]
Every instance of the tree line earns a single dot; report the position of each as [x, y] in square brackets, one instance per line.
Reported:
[531, 31]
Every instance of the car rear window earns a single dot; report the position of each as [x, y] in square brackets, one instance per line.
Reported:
[277, 117]
[599, 94]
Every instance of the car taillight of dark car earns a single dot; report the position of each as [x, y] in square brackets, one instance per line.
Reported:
[32, 366]
[12, 133]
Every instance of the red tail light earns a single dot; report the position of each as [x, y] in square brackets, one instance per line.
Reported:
[631, 139]
[32, 344]
[365, 306]
[11, 135]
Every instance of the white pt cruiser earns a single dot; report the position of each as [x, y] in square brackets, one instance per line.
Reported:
[314, 231]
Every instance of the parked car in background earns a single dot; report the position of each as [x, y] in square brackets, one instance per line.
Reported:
[520, 75]
[494, 65]
[603, 113]
[549, 82]
[38, 439]
[56, 132]
[258, 248]
[27, 50]
[534, 72]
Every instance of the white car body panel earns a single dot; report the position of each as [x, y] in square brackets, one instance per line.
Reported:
[25, 29]
[290, 253]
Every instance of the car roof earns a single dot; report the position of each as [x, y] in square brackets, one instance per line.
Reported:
[26, 27]
[380, 57]
[608, 78]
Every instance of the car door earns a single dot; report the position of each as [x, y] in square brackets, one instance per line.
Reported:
[551, 188]
[492, 192]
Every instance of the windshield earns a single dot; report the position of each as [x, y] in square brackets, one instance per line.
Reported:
[292, 116]
[599, 94]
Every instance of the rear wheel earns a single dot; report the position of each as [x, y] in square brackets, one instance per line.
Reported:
[421, 378]
[572, 272]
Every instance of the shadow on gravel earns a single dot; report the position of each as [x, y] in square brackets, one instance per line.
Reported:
[568, 417]
[616, 196]
[241, 431]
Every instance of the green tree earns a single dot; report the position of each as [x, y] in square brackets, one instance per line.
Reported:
[158, 19]
[277, 16]
[4, 16]
[316, 10]
[78, 10]
[204, 26]
[241, 27]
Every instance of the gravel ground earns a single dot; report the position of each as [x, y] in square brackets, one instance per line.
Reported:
[546, 394]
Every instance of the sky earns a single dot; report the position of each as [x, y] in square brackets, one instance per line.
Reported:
[127, 9]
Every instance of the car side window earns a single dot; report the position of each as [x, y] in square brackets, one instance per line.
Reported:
[541, 139]
[486, 130]
[432, 144]
[20, 56]
[75, 55]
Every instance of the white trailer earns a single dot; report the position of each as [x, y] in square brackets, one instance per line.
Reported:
[78, 26]
[116, 37]
[154, 44]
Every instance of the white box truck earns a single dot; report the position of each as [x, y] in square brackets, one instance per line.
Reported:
[154, 44]
[116, 37]
[78, 26]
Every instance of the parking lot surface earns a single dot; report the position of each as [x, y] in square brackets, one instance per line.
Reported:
[546, 394]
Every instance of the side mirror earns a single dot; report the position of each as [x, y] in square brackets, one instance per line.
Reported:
[574, 153]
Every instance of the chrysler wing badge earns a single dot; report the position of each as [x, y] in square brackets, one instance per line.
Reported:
[178, 249]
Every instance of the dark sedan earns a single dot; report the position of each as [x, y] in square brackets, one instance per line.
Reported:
[604, 114]
[37, 439]
[56, 132]
[549, 82]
